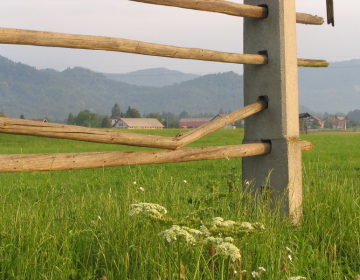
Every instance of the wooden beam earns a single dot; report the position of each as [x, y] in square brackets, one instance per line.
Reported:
[309, 19]
[62, 131]
[312, 63]
[70, 161]
[205, 129]
[62, 40]
[230, 8]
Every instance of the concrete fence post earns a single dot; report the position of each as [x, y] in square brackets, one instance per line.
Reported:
[279, 123]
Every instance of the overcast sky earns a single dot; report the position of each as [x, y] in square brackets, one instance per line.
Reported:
[164, 25]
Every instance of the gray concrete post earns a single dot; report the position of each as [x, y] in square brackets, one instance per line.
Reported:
[279, 123]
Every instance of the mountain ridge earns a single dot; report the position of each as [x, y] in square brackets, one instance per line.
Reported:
[54, 94]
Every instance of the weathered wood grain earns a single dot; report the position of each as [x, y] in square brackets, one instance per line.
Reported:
[70, 161]
[62, 131]
[230, 8]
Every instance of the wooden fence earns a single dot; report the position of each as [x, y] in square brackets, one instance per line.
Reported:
[262, 145]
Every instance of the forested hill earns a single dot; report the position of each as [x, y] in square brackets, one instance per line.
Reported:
[49, 93]
[154, 77]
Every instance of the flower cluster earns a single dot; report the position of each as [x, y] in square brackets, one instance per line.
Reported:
[218, 221]
[191, 236]
[224, 247]
[148, 210]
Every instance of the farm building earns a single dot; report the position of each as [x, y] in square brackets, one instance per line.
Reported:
[114, 120]
[193, 122]
[339, 122]
[138, 123]
[312, 120]
[40, 120]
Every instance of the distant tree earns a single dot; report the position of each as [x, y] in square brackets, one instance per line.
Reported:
[221, 111]
[22, 116]
[184, 115]
[115, 111]
[70, 119]
[88, 119]
[132, 113]
[2, 114]
[106, 123]
[171, 123]
[155, 116]
[328, 122]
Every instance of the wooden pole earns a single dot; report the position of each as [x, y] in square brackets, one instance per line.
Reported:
[230, 8]
[70, 161]
[53, 130]
[63, 40]
[312, 63]
[223, 121]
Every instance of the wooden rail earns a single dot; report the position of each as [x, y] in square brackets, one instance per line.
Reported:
[63, 40]
[230, 8]
[70, 161]
[53, 130]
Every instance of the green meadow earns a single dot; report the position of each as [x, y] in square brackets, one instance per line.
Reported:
[93, 224]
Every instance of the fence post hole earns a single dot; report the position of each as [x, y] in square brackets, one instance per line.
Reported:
[279, 123]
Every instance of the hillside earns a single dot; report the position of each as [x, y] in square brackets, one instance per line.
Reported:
[49, 93]
[154, 77]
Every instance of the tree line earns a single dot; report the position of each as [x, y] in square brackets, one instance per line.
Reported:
[169, 120]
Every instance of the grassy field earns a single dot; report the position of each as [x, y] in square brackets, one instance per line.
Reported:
[76, 224]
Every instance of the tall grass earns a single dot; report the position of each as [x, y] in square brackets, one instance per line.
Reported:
[76, 224]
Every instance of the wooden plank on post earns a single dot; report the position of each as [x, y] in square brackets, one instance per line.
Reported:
[70, 161]
[230, 8]
[63, 40]
[53, 130]
[312, 63]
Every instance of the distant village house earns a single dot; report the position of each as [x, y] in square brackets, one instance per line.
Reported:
[135, 123]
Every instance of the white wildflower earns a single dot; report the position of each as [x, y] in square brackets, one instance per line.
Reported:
[148, 209]
[254, 274]
[229, 239]
[204, 230]
[142, 189]
[296, 278]
[185, 181]
[247, 226]
[134, 183]
[216, 240]
[217, 221]
[70, 232]
[227, 223]
[288, 249]
[176, 232]
[229, 250]
[290, 258]
[262, 269]
[99, 218]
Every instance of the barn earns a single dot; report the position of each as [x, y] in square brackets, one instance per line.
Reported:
[193, 122]
[138, 123]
